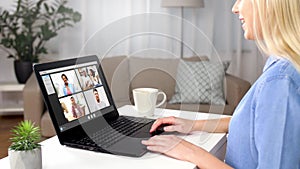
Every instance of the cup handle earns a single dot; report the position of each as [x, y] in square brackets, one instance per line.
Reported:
[164, 99]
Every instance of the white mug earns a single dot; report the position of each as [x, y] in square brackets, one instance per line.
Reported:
[145, 100]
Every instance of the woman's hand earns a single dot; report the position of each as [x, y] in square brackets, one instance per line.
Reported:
[180, 149]
[172, 146]
[173, 124]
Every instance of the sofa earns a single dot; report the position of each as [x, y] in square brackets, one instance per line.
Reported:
[126, 73]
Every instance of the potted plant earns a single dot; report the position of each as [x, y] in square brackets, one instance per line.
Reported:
[25, 31]
[25, 152]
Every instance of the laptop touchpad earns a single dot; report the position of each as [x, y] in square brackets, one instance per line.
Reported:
[129, 146]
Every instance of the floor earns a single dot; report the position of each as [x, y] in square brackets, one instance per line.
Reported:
[6, 124]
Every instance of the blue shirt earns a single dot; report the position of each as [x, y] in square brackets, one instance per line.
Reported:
[71, 87]
[264, 132]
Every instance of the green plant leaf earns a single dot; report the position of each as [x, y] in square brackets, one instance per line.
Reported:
[32, 20]
[46, 7]
[76, 17]
[25, 136]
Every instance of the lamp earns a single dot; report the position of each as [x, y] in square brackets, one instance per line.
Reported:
[182, 4]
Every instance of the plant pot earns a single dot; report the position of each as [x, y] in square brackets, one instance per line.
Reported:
[31, 159]
[23, 70]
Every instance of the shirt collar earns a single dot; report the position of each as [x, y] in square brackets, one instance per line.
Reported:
[271, 60]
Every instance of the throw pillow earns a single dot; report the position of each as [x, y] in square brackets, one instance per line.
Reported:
[199, 82]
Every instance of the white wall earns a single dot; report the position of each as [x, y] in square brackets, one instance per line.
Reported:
[102, 21]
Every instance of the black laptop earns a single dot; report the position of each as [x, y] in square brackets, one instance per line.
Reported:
[82, 109]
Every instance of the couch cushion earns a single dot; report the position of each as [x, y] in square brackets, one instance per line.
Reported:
[156, 73]
[117, 75]
[199, 82]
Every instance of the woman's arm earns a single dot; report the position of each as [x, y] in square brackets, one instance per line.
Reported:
[212, 125]
[187, 126]
[178, 148]
[204, 159]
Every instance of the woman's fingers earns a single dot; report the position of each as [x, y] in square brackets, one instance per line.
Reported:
[166, 120]
[162, 143]
[169, 145]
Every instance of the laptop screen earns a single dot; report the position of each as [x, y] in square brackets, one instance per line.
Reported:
[76, 93]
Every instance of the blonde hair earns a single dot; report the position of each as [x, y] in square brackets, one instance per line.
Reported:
[279, 24]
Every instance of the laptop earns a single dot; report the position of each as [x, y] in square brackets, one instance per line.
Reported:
[82, 109]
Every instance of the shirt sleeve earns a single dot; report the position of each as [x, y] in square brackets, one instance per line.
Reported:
[276, 126]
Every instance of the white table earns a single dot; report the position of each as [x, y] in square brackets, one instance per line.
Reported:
[11, 101]
[57, 156]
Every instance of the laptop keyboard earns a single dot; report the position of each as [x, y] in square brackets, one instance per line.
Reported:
[114, 132]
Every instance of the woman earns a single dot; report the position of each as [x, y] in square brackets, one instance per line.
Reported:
[264, 131]
[95, 78]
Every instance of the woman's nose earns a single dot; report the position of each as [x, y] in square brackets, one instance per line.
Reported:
[235, 8]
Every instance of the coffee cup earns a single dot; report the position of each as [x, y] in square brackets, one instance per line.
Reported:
[145, 100]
